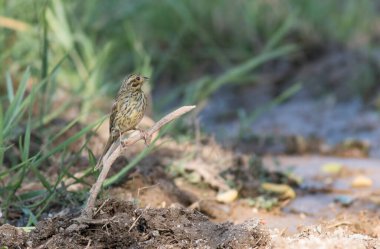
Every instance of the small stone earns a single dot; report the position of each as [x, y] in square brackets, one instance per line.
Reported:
[344, 200]
[227, 196]
[332, 168]
[361, 182]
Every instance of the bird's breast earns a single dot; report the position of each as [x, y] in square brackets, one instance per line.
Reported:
[131, 111]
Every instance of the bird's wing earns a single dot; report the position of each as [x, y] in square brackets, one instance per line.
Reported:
[113, 116]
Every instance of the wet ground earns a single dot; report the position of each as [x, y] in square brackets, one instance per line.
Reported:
[328, 195]
[333, 106]
[328, 123]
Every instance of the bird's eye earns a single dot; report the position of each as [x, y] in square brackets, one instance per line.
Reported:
[138, 78]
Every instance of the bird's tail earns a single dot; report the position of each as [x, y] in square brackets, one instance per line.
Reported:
[110, 141]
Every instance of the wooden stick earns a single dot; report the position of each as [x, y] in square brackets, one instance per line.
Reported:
[115, 151]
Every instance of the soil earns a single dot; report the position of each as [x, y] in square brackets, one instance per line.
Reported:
[120, 224]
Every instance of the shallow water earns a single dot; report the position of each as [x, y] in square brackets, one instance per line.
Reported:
[308, 208]
[324, 119]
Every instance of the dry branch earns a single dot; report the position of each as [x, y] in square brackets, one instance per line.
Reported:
[115, 151]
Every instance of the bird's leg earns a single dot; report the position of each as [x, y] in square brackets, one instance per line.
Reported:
[121, 141]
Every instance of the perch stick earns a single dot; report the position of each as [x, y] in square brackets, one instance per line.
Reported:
[108, 160]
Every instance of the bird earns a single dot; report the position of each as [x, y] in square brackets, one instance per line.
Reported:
[128, 110]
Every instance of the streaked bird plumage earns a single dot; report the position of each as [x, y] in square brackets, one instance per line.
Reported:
[127, 110]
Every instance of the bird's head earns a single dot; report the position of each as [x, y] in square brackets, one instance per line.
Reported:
[134, 82]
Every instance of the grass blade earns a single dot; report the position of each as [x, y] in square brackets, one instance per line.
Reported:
[10, 90]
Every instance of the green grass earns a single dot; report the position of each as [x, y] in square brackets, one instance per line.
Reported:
[65, 63]
[18, 163]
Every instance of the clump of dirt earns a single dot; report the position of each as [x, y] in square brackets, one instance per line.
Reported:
[155, 190]
[118, 224]
[12, 237]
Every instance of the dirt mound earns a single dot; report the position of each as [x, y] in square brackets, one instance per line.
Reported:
[122, 225]
[12, 237]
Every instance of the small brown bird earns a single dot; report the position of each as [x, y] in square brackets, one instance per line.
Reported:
[127, 110]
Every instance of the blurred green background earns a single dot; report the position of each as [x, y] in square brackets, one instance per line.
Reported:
[62, 62]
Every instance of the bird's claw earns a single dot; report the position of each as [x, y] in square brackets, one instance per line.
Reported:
[123, 145]
[146, 136]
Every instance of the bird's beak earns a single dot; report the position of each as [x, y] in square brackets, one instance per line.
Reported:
[146, 78]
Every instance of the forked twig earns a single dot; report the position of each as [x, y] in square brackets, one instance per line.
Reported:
[115, 151]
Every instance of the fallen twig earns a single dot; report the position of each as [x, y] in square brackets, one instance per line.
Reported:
[137, 219]
[115, 151]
